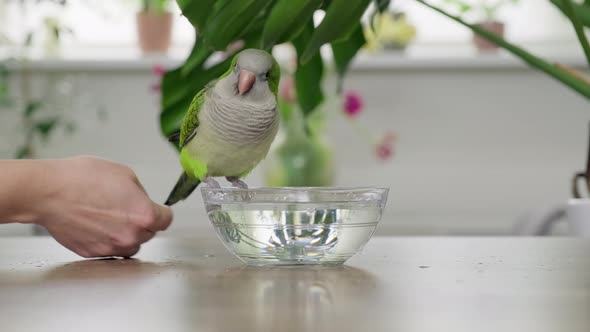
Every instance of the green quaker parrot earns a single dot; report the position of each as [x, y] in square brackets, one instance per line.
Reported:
[230, 124]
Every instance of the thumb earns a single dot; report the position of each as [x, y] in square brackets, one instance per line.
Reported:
[163, 216]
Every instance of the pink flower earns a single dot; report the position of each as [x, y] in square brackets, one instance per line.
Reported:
[353, 104]
[389, 137]
[158, 70]
[155, 88]
[384, 149]
[287, 90]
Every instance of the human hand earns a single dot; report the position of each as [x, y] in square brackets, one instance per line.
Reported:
[97, 208]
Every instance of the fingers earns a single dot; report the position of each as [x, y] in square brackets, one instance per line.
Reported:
[138, 183]
[162, 214]
[141, 236]
[163, 217]
[129, 245]
[144, 236]
[128, 253]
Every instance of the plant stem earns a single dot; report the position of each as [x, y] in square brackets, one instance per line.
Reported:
[569, 10]
[588, 158]
[573, 72]
[25, 87]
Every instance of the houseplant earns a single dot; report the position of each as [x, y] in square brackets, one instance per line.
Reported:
[485, 12]
[41, 109]
[154, 26]
[39, 116]
[265, 23]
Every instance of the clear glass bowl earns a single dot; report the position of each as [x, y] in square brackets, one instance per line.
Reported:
[292, 226]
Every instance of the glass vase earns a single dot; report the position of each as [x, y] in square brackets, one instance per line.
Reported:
[301, 157]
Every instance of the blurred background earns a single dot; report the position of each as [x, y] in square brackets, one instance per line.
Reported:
[471, 140]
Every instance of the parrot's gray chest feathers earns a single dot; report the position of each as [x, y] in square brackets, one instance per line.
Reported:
[241, 122]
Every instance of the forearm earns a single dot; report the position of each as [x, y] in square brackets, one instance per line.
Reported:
[23, 186]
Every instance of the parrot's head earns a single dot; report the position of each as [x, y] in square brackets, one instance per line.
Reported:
[254, 73]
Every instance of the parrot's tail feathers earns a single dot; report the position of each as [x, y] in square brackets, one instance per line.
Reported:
[183, 188]
[174, 138]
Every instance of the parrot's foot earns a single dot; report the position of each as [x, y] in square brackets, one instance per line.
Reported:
[211, 183]
[235, 182]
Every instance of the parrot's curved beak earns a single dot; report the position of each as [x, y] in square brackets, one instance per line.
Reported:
[246, 80]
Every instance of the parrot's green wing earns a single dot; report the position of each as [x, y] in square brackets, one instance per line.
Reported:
[190, 123]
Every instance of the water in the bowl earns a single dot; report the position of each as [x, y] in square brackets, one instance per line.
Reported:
[294, 233]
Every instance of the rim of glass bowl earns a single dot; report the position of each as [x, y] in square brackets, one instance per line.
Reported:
[287, 195]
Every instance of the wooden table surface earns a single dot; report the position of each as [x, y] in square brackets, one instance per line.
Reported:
[396, 284]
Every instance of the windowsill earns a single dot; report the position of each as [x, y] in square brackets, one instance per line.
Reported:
[433, 57]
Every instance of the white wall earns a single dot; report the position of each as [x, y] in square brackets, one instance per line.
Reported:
[477, 147]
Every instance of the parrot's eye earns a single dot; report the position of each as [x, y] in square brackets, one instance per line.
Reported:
[267, 75]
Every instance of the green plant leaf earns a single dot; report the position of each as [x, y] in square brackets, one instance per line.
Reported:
[573, 16]
[308, 76]
[284, 20]
[31, 108]
[196, 11]
[341, 18]
[285, 109]
[44, 128]
[176, 86]
[197, 57]
[569, 80]
[28, 39]
[200, 52]
[230, 19]
[252, 34]
[582, 11]
[173, 111]
[382, 5]
[56, 33]
[157, 6]
[461, 6]
[345, 51]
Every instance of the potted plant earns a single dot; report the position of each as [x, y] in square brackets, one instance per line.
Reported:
[486, 13]
[264, 24]
[154, 26]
